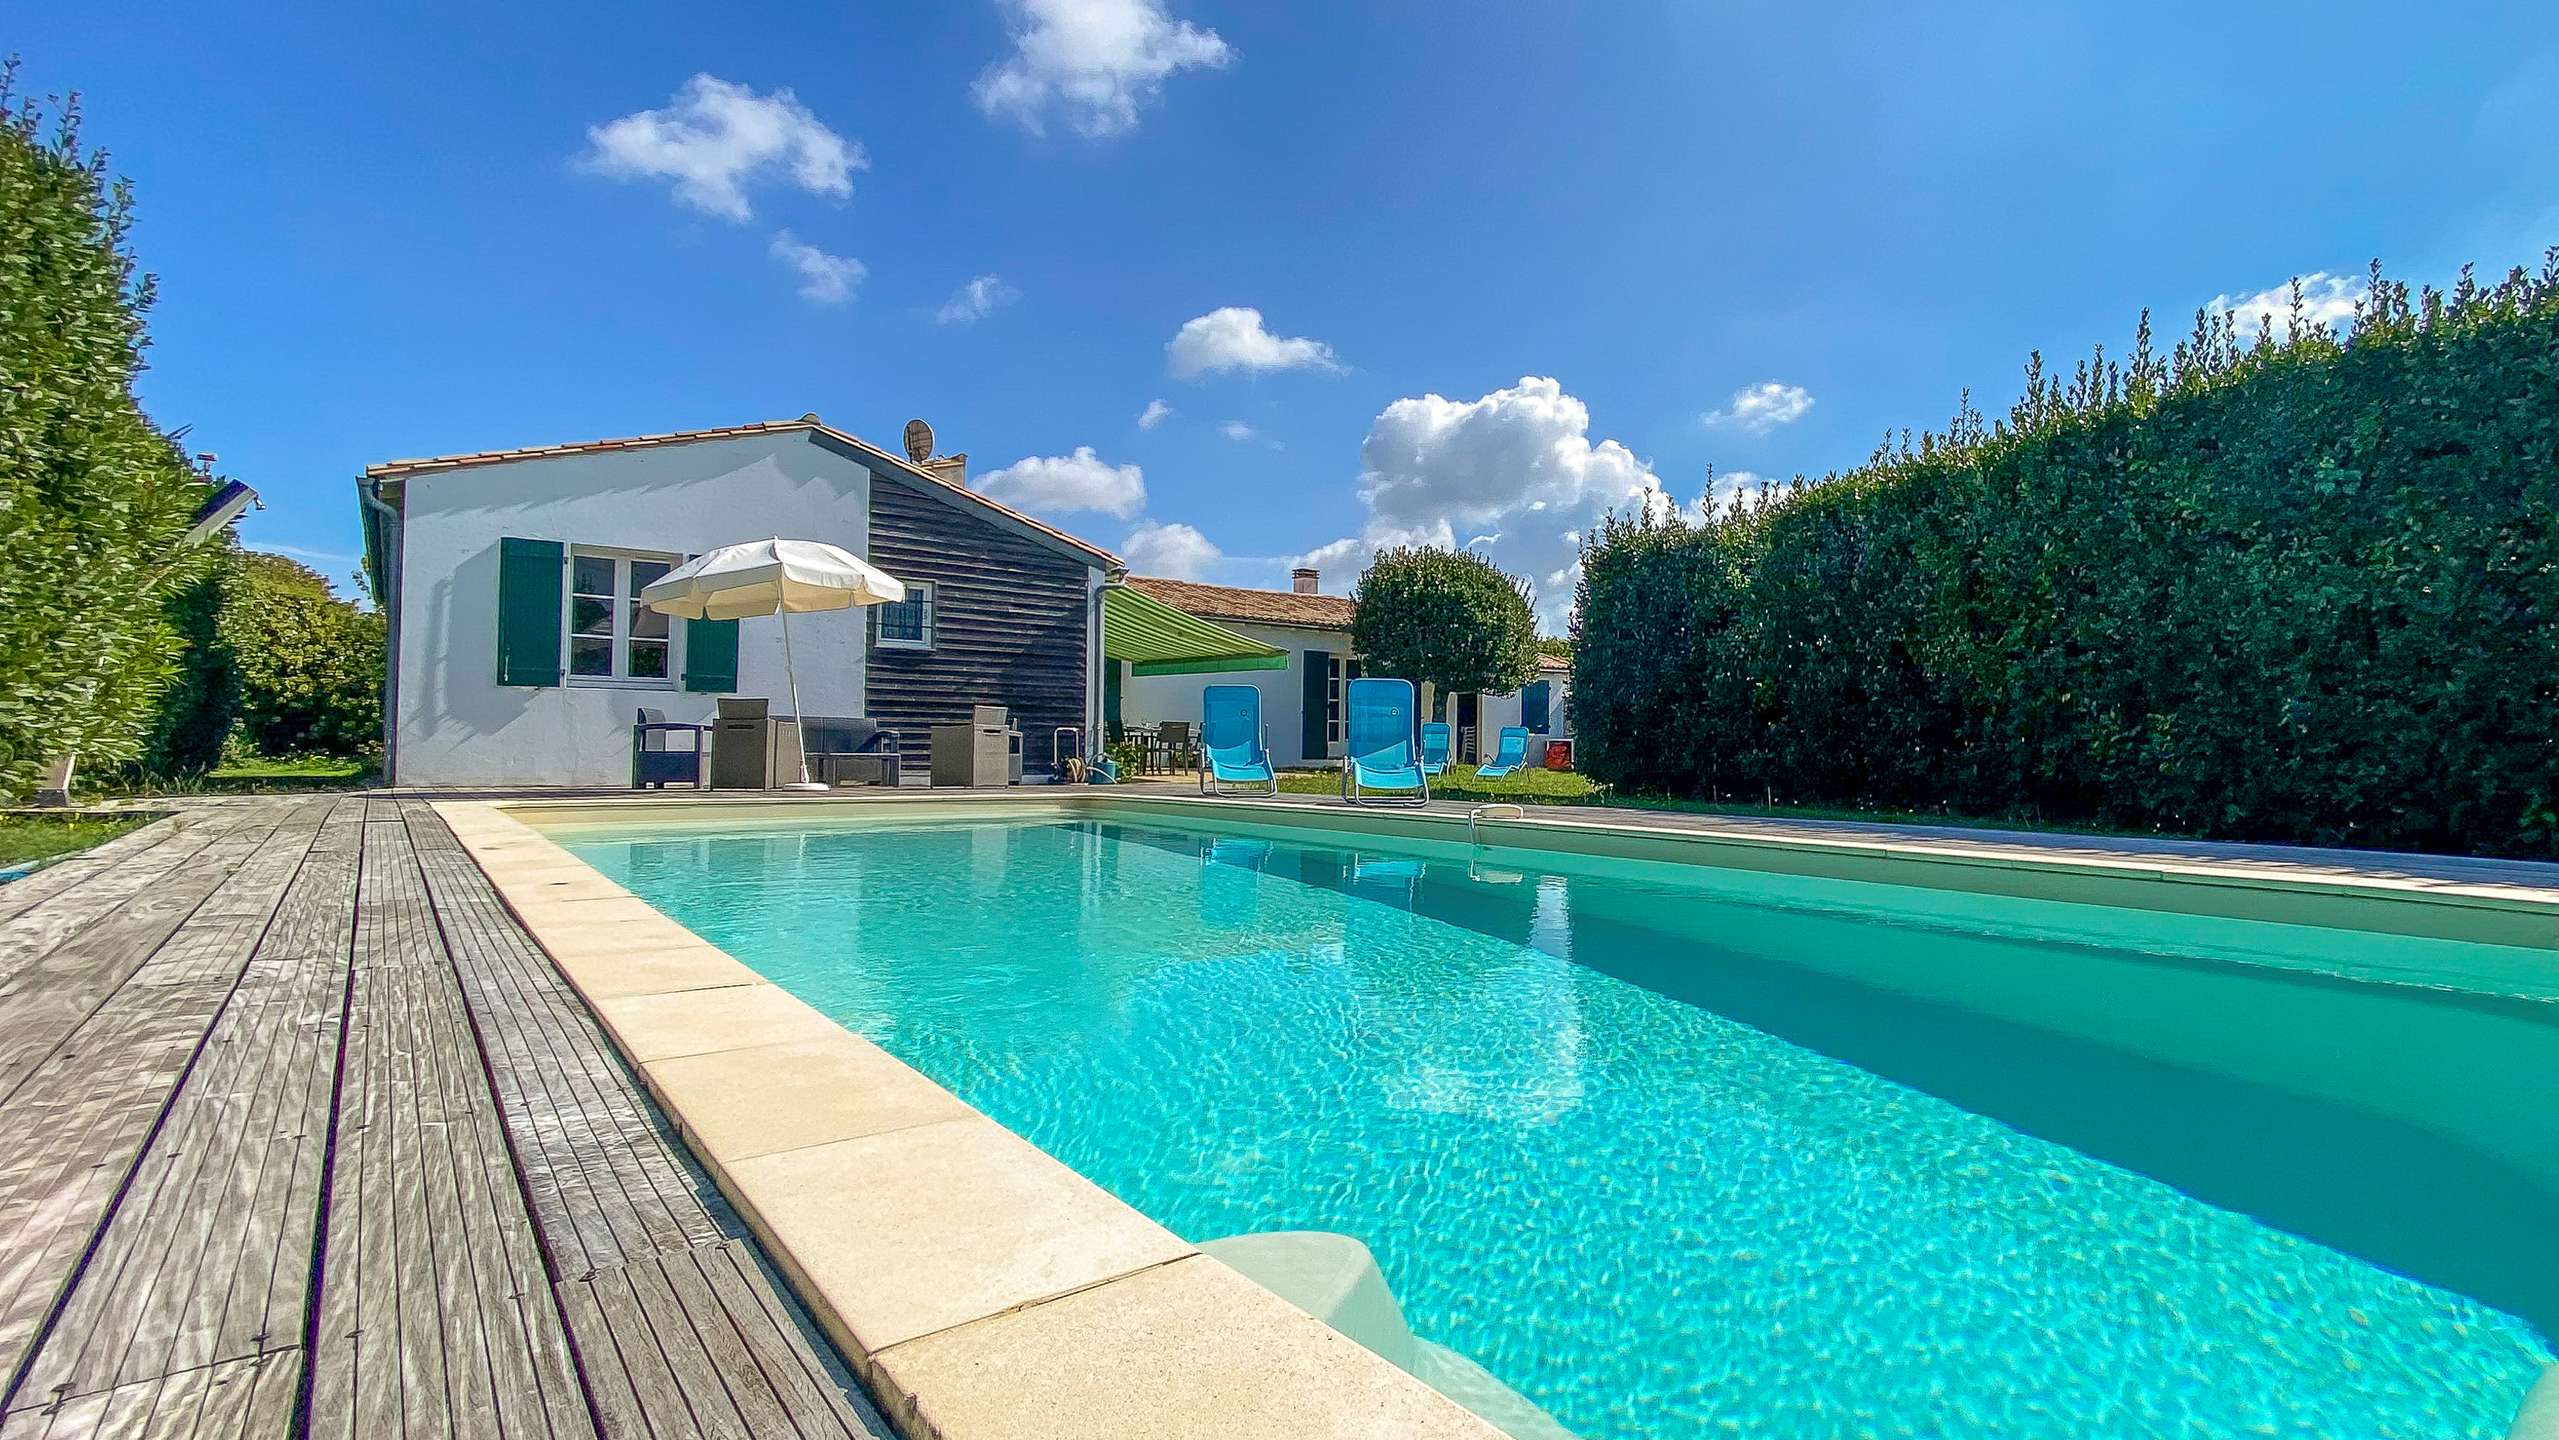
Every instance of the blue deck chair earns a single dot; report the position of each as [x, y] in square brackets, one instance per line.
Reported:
[1231, 748]
[1380, 750]
[1512, 753]
[1434, 748]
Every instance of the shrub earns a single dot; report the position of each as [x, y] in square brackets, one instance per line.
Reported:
[1449, 618]
[94, 499]
[309, 665]
[2303, 590]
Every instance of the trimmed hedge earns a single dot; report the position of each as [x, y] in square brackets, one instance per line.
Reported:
[2305, 590]
[94, 498]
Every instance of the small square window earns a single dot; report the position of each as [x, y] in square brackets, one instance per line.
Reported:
[907, 624]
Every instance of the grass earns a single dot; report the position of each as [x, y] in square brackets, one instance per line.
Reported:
[1527, 787]
[36, 837]
[290, 770]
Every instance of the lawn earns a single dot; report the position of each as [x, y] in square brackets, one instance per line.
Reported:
[1527, 787]
[35, 837]
[300, 772]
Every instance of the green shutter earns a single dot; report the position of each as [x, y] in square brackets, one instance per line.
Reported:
[1310, 711]
[1536, 707]
[710, 655]
[531, 577]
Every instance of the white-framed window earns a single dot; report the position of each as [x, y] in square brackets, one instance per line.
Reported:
[612, 636]
[907, 624]
[1339, 672]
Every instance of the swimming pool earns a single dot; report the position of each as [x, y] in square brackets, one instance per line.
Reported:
[1669, 1148]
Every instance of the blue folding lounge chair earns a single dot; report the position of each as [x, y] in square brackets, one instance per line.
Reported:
[1381, 754]
[1434, 748]
[1231, 748]
[1512, 754]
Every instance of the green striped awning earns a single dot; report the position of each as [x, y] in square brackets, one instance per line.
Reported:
[1157, 639]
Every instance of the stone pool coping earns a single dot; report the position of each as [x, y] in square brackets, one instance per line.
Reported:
[982, 1289]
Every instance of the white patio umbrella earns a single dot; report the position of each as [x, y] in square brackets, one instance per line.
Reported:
[772, 577]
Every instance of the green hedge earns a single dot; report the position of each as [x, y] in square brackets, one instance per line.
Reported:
[94, 498]
[2303, 590]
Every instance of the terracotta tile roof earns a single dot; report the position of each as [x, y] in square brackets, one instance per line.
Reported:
[403, 469]
[1267, 607]
[1554, 663]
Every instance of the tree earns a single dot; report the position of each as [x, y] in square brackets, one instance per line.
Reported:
[95, 500]
[309, 664]
[1446, 618]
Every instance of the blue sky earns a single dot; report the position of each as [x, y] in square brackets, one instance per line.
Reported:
[1513, 266]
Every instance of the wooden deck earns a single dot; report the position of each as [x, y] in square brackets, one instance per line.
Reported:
[301, 1134]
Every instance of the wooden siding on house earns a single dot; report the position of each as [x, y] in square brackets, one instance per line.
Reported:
[1011, 623]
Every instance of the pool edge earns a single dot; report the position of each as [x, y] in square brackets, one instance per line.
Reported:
[1016, 1258]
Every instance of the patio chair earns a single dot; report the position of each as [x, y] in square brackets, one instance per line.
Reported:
[1232, 751]
[1174, 738]
[653, 763]
[1511, 754]
[1435, 748]
[1379, 744]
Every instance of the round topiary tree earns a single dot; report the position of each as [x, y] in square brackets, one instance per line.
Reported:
[1447, 618]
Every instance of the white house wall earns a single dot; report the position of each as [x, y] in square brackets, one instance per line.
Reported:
[457, 726]
[1145, 699]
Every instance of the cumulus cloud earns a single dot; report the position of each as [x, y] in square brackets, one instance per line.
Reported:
[1513, 474]
[1176, 551]
[975, 301]
[1062, 484]
[1238, 430]
[1155, 413]
[1092, 61]
[2326, 299]
[825, 279]
[716, 139]
[1763, 407]
[1232, 338]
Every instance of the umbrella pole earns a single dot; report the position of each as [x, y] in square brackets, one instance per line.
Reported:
[791, 672]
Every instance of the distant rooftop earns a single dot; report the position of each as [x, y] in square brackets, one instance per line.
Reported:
[1265, 607]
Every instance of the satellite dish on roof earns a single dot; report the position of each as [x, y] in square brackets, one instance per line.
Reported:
[919, 441]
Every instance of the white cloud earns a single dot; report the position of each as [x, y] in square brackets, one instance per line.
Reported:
[1232, 338]
[2325, 300]
[1513, 474]
[1094, 61]
[1760, 408]
[1155, 413]
[718, 138]
[1177, 551]
[1238, 430]
[826, 279]
[1059, 484]
[975, 301]
[1719, 495]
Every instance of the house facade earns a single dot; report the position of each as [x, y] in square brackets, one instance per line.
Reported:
[519, 654]
[1302, 702]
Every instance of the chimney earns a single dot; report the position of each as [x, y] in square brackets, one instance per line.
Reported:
[952, 468]
[1301, 581]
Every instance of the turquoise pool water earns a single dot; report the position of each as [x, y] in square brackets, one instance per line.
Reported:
[1683, 1152]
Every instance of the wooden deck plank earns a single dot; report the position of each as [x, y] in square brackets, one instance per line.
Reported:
[436, 1311]
[50, 998]
[19, 896]
[604, 1168]
[680, 1328]
[249, 1399]
[75, 1130]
